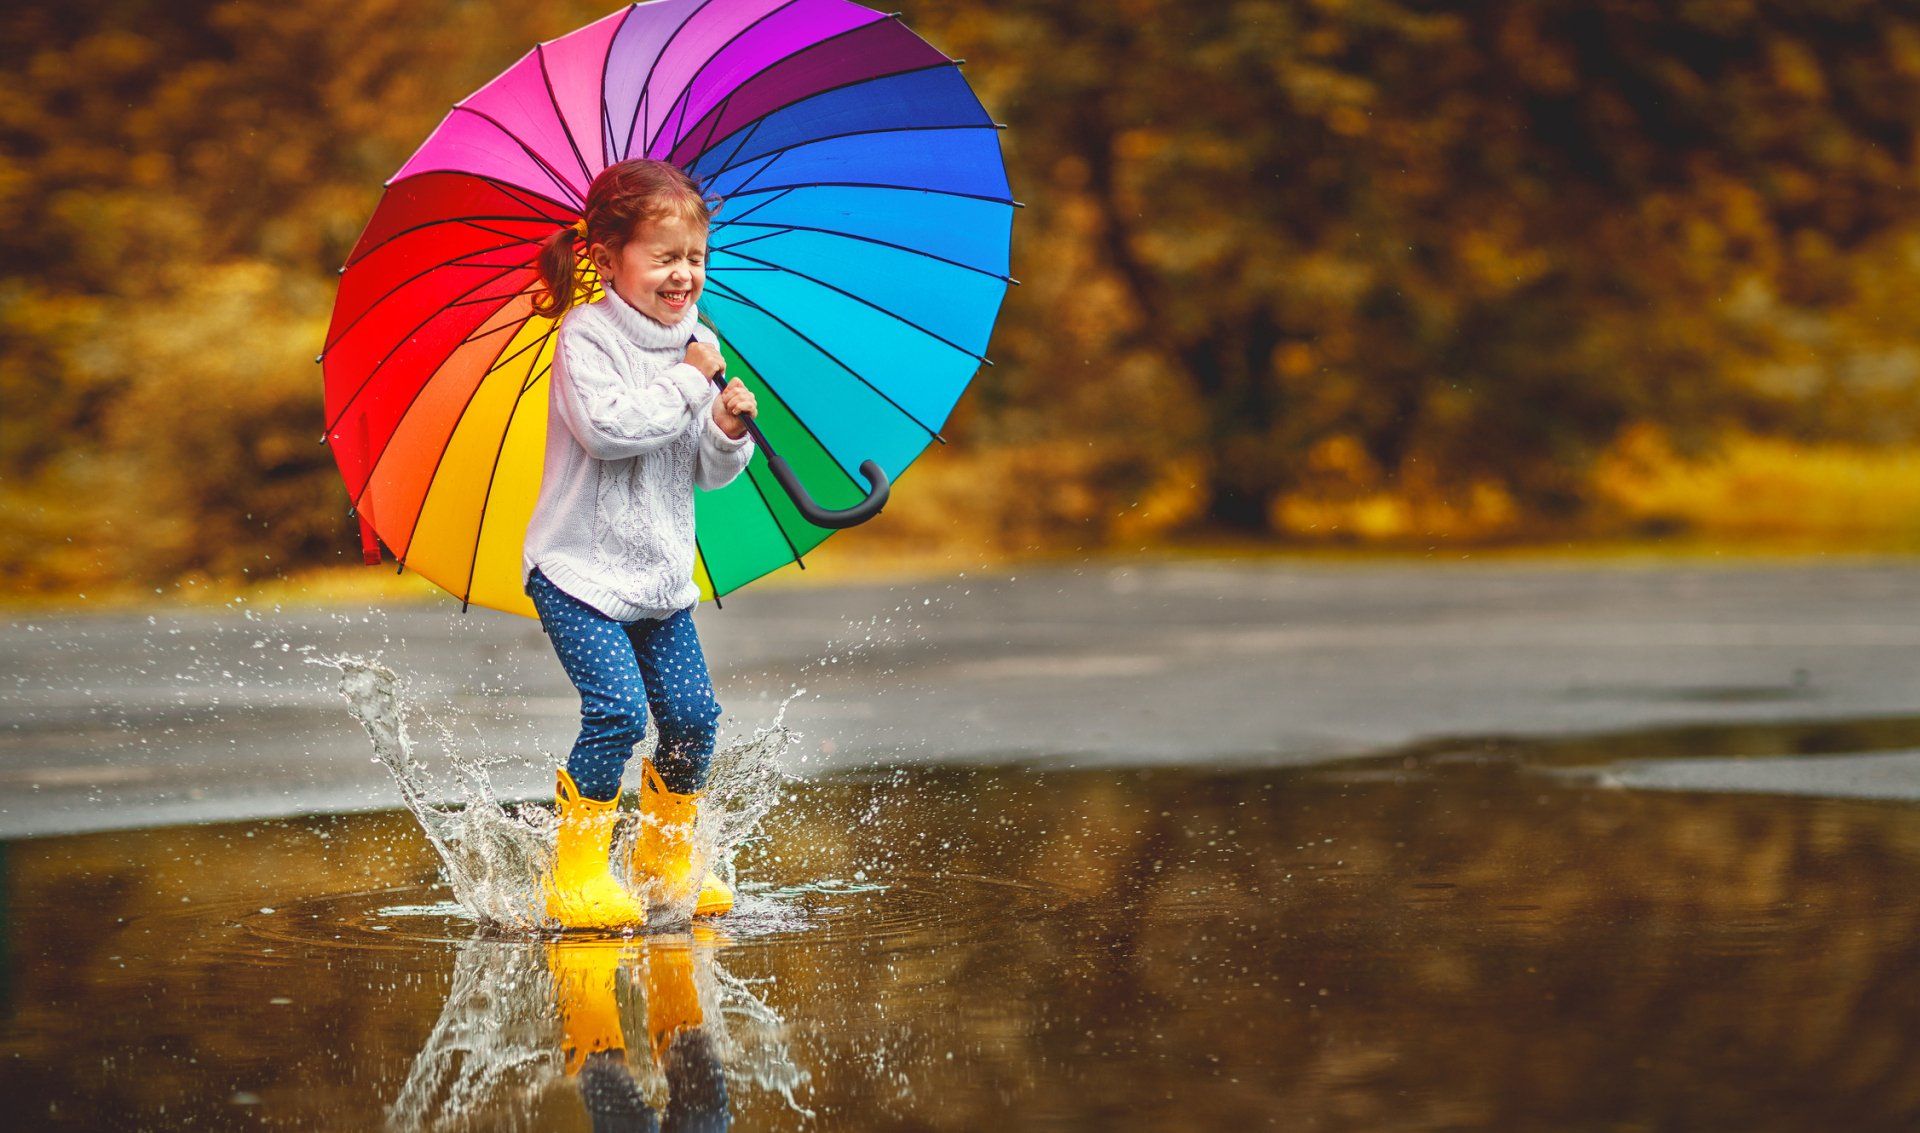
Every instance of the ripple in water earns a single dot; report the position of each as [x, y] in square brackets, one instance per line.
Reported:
[495, 856]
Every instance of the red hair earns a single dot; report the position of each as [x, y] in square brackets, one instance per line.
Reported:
[623, 196]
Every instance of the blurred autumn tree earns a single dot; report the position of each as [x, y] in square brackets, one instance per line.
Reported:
[1274, 253]
[1454, 247]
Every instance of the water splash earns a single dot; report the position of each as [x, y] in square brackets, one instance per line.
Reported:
[495, 856]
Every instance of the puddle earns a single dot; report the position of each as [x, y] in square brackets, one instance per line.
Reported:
[1430, 945]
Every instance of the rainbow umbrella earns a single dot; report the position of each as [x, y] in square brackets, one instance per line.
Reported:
[854, 274]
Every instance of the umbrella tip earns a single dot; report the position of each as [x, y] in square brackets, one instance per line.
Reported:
[319, 357]
[1018, 204]
[323, 439]
[1013, 281]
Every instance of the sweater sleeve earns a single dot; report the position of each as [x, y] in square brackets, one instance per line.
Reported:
[615, 415]
[719, 458]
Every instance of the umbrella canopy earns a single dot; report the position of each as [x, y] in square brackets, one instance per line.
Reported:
[854, 272]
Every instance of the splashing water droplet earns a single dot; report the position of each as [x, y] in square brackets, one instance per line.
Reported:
[496, 857]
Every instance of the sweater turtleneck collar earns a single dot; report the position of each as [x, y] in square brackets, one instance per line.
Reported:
[643, 329]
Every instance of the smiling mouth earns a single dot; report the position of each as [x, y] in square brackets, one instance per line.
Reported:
[675, 298]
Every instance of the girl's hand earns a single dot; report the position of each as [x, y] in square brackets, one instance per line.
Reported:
[705, 359]
[734, 403]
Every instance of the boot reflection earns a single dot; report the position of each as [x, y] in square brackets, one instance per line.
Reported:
[642, 1032]
[587, 977]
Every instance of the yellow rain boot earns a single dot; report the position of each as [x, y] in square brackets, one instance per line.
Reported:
[673, 999]
[584, 975]
[582, 892]
[663, 851]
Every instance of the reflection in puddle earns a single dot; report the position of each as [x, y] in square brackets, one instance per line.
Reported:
[1447, 945]
[647, 1034]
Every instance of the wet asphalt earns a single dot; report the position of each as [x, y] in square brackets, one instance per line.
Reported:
[144, 718]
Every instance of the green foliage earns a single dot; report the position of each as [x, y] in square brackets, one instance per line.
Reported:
[1272, 248]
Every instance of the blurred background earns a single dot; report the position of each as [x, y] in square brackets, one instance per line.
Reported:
[1295, 274]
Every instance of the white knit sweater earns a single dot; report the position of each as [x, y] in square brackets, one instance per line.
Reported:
[630, 431]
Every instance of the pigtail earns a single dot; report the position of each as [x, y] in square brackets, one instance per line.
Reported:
[559, 272]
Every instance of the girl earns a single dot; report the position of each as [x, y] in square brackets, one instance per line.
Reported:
[634, 422]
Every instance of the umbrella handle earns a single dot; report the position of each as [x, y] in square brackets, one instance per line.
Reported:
[878, 486]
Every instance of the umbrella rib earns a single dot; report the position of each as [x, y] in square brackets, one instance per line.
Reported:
[498, 361]
[784, 228]
[791, 146]
[778, 230]
[504, 188]
[777, 525]
[496, 330]
[560, 115]
[437, 221]
[512, 192]
[606, 58]
[473, 338]
[762, 117]
[874, 185]
[705, 558]
[415, 277]
[864, 302]
[718, 113]
[646, 85]
[685, 97]
[756, 208]
[754, 176]
[480, 529]
[513, 236]
[830, 356]
[768, 382]
[545, 167]
[491, 298]
[745, 138]
[368, 380]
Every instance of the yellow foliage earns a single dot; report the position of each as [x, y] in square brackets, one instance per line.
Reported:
[1758, 489]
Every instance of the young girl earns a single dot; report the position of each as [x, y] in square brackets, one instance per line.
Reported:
[634, 422]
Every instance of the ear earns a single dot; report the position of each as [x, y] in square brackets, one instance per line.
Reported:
[601, 259]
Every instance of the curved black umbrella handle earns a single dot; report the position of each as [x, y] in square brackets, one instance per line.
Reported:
[878, 486]
[877, 489]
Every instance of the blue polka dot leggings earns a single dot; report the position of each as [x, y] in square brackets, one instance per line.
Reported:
[622, 669]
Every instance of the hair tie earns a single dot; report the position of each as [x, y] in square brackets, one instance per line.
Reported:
[580, 228]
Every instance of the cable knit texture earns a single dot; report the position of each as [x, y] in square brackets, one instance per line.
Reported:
[630, 433]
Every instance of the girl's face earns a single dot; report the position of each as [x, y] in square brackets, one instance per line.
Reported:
[660, 271]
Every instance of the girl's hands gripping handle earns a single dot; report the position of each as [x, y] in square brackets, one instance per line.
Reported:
[735, 402]
[731, 409]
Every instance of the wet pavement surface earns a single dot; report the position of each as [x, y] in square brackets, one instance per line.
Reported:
[1478, 936]
[150, 718]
